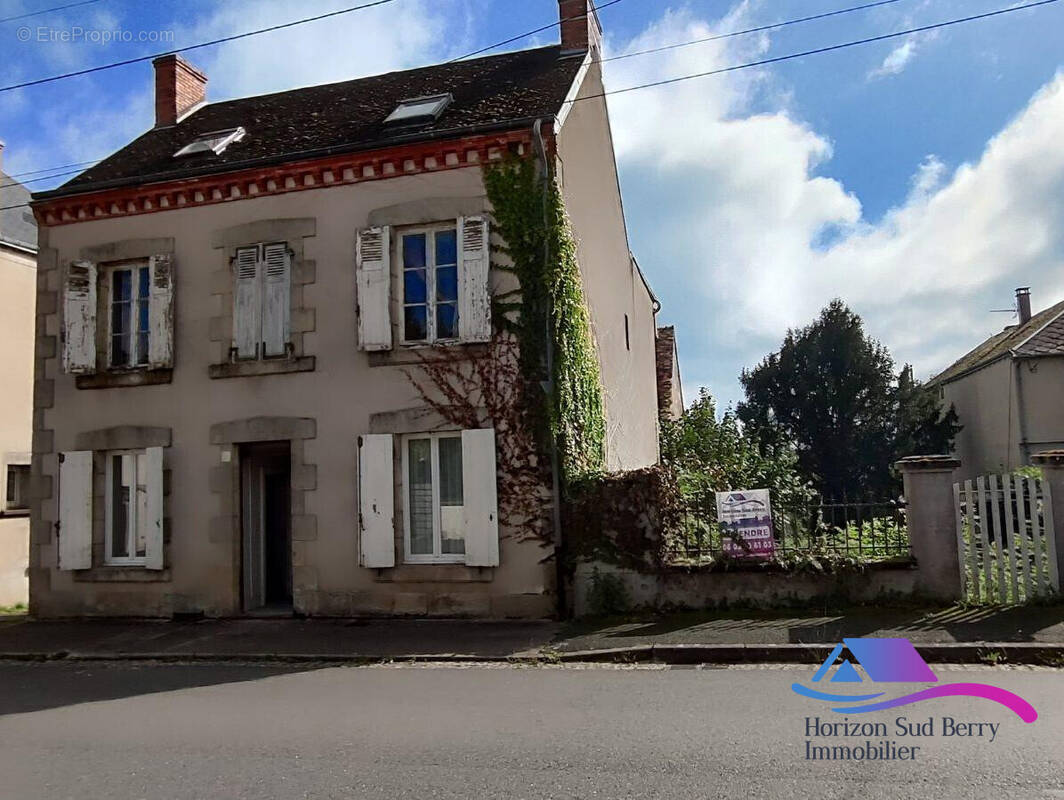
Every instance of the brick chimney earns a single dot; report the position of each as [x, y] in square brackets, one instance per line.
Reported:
[179, 87]
[581, 30]
[1023, 304]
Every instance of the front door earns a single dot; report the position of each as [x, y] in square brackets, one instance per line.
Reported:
[266, 521]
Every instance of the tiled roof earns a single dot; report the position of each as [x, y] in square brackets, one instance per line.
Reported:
[17, 225]
[1043, 334]
[1049, 341]
[493, 92]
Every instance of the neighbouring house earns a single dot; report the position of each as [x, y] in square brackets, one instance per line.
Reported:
[670, 390]
[18, 286]
[1007, 392]
[241, 315]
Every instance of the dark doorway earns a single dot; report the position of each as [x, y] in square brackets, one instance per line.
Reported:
[265, 491]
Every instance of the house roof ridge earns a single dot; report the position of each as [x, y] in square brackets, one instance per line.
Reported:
[997, 346]
[388, 73]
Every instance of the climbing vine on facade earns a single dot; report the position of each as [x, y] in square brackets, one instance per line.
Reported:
[537, 239]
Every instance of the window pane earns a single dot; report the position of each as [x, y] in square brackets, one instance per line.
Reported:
[420, 496]
[123, 285]
[141, 516]
[446, 248]
[447, 321]
[416, 327]
[451, 471]
[143, 278]
[414, 250]
[119, 507]
[452, 522]
[447, 284]
[415, 289]
[121, 311]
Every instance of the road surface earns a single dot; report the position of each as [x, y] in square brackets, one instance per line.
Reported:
[225, 731]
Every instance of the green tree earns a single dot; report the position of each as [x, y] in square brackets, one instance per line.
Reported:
[831, 391]
[715, 455]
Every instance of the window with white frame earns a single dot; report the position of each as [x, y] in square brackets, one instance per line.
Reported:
[127, 507]
[130, 303]
[17, 495]
[434, 497]
[429, 259]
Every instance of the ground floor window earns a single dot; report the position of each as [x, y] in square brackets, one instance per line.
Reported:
[17, 497]
[434, 498]
[127, 516]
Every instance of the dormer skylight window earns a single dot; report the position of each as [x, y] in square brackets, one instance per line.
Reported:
[419, 110]
[214, 142]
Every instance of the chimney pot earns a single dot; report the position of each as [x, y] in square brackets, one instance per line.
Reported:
[179, 87]
[581, 29]
[1023, 304]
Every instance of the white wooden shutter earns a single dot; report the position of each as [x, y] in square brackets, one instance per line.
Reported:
[480, 498]
[277, 303]
[247, 303]
[474, 308]
[75, 510]
[161, 312]
[376, 501]
[153, 521]
[374, 279]
[79, 318]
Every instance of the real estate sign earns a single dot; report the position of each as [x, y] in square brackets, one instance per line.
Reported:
[746, 522]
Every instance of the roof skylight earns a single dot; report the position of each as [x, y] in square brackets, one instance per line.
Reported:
[215, 142]
[419, 109]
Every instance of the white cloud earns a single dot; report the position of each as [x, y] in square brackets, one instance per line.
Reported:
[363, 42]
[896, 61]
[734, 218]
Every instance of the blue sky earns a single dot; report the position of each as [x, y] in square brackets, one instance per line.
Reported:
[921, 180]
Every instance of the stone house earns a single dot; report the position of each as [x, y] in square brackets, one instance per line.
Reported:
[229, 310]
[18, 285]
[1007, 392]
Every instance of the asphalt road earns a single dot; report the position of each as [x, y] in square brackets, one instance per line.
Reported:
[169, 731]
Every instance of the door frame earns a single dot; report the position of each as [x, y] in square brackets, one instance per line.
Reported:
[257, 459]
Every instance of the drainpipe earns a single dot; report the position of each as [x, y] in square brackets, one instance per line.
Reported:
[548, 388]
[1021, 417]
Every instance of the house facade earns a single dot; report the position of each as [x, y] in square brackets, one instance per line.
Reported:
[231, 311]
[18, 286]
[1007, 393]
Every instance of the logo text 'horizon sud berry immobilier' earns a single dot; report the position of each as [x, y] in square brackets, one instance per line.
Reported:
[890, 661]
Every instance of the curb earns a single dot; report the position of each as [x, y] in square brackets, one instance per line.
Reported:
[993, 653]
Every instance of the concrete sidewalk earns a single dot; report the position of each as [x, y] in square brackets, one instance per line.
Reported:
[1022, 634]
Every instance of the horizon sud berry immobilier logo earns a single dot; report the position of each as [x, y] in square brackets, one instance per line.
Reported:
[890, 661]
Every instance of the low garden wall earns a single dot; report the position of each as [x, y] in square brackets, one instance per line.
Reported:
[617, 529]
[693, 588]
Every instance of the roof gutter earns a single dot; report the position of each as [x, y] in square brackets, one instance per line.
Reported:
[282, 158]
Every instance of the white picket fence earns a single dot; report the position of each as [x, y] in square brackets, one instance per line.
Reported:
[1005, 540]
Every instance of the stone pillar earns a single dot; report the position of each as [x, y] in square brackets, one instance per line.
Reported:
[932, 522]
[1052, 464]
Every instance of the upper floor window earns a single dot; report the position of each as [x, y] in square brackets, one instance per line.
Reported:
[430, 284]
[130, 315]
[424, 285]
[118, 315]
[262, 301]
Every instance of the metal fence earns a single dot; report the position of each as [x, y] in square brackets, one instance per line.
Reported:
[866, 531]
